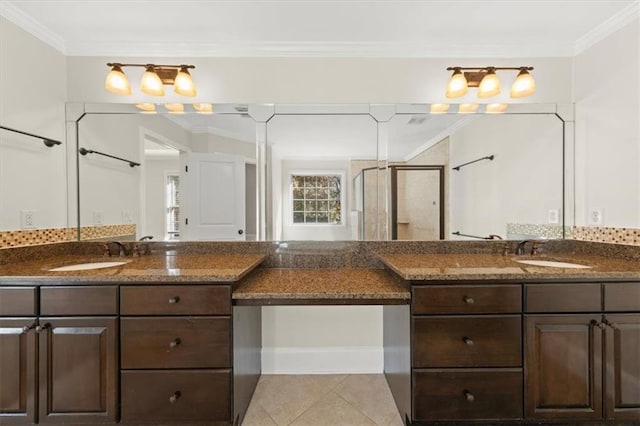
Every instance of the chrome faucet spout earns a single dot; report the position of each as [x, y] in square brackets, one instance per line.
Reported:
[107, 248]
[146, 237]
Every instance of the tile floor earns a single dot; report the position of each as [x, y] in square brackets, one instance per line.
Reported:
[316, 400]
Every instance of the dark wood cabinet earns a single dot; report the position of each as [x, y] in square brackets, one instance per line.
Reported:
[466, 353]
[78, 370]
[622, 360]
[564, 367]
[17, 371]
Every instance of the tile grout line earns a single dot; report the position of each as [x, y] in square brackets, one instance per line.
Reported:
[268, 414]
[356, 408]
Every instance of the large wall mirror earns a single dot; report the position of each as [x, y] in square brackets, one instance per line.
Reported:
[322, 172]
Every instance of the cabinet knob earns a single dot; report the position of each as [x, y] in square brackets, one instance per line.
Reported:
[42, 327]
[469, 396]
[174, 299]
[468, 341]
[611, 324]
[468, 300]
[600, 325]
[173, 398]
[26, 328]
[175, 342]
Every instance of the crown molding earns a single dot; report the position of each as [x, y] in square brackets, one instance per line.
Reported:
[608, 27]
[441, 49]
[14, 14]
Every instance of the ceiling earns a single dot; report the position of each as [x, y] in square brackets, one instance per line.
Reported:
[328, 28]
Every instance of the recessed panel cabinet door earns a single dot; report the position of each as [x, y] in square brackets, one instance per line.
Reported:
[78, 376]
[563, 367]
[623, 367]
[17, 371]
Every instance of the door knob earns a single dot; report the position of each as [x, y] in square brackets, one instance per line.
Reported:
[240, 231]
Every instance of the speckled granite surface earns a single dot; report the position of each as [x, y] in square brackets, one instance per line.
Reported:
[498, 267]
[144, 269]
[311, 284]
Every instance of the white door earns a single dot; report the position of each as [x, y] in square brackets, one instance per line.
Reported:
[214, 206]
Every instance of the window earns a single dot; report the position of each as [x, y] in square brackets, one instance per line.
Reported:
[173, 207]
[316, 198]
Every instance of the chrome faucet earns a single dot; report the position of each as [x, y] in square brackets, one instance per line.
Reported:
[107, 248]
[146, 237]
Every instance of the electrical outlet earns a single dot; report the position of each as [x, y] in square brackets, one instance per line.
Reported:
[126, 216]
[98, 217]
[553, 216]
[596, 217]
[28, 219]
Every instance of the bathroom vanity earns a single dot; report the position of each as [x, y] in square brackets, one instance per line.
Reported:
[174, 337]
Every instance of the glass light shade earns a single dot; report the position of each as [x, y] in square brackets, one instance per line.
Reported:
[174, 108]
[490, 85]
[457, 85]
[146, 107]
[183, 84]
[203, 108]
[151, 83]
[439, 108]
[496, 108]
[467, 108]
[524, 85]
[117, 82]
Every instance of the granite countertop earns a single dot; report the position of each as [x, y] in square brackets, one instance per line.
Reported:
[165, 267]
[444, 267]
[330, 285]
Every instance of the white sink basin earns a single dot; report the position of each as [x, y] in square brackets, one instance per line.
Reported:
[86, 266]
[553, 264]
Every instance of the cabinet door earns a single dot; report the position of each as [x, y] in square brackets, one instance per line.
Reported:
[78, 370]
[17, 371]
[563, 361]
[623, 367]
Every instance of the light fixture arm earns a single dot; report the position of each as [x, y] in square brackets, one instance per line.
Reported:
[177, 67]
[487, 68]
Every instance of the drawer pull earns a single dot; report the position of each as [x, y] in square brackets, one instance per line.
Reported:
[600, 325]
[174, 300]
[467, 341]
[468, 300]
[42, 327]
[175, 342]
[469, 396]
[173, 398]
[610, 324]
[26, 328]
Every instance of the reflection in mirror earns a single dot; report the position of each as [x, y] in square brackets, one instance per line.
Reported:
[33, 183]
[325, 177]
[512, 186]
[117, 200]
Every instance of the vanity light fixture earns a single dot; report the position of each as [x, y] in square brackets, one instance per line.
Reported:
[147, 108]
[496, 108]
[487, 82]
[153, 79]
[203, 108]
[174, 108]
[439, 108]
[467, 108]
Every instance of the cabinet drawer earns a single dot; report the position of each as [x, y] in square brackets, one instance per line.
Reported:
[469, 341]
[622, 297]
[176, 300]
[448, 299]
[473, 394]
[17, 301]
[79, 300]
[176, 396]
[563, 298]
[172, 342]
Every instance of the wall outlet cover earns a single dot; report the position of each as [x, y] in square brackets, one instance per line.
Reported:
[596, 217]
[28, 219]
[98, 217]
[553, 216]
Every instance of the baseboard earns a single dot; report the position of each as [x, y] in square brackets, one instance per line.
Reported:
[332, 360]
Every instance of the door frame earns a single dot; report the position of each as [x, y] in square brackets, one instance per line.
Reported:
[394, 195]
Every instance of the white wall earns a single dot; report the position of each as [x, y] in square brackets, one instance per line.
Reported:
[607, 102]
[520, 185]
[33, 85]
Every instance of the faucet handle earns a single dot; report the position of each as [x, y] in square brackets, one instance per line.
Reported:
[535, 246]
